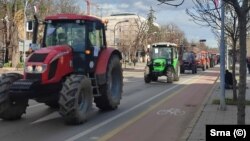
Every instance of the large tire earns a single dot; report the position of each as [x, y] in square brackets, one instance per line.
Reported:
[111, 92]
[170, 75]
[155, 78]
[10, 109]
[147, 76]
[177, 73]
[203, 68]
[76, 99]
[182, 70]
[52, 104]
[193, 69]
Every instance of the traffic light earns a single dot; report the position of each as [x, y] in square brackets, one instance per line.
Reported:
[29, 26]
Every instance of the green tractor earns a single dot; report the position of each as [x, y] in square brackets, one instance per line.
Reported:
[163, 62]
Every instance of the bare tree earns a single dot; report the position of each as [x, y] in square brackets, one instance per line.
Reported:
[207, 14]
[134, 39]
[172, 33]
[65, 6]
[241, 7]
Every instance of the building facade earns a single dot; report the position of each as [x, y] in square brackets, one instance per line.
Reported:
[122, 31]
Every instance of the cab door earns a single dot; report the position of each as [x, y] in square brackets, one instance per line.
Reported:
[95, 43]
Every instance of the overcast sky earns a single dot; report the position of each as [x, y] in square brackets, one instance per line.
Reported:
[164, 14]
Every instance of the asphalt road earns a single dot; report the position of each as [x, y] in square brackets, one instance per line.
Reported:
[143, 106]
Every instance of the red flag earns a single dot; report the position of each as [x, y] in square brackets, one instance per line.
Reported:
[216, 2]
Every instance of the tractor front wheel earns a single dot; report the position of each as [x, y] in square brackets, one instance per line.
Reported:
[147, 76]
[10, 109]
[154, 78]
[111, 92]
[76, 99]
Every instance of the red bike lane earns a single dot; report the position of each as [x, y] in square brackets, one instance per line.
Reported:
[168, 119]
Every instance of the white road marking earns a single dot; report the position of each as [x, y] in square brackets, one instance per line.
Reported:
[85, 132]
[48, 117]
[171, 111]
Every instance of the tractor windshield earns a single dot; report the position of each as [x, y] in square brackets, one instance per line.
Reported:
[70, 33]
[188, 56]
[161, 52]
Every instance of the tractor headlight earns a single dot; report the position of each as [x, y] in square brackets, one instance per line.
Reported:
[40, 68]
[28, 69]
[35, 68]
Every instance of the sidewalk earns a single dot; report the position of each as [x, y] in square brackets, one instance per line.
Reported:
[8, 70]
[211, 115]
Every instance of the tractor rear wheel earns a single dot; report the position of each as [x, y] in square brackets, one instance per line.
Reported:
[170, 75]
[111, 92]
[177, 73]
[76, 99]
[10, 109]
[52, 104]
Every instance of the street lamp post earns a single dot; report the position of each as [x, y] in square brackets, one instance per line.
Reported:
[115, 27]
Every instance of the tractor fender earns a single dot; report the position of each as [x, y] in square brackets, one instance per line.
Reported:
[102, 63]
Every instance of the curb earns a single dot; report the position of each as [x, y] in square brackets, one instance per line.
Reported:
[197, 115]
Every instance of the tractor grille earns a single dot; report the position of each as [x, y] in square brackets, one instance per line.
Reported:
[53, 67]
[157, 64]
[38, 57]
[22, 84]
[34, 76]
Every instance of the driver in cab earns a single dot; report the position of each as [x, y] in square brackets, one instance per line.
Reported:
[79, 41]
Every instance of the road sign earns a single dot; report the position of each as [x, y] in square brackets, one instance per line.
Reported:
[27, 45]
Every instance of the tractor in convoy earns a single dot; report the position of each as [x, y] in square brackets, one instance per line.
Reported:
[71, 68]
[163, 62]
[188, 62]
[201, 61]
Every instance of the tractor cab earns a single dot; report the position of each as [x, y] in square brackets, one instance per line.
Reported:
[163, 62]
[85, 37]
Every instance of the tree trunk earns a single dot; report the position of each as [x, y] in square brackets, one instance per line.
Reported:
[242, 82]
[15, 47]
[233, 72]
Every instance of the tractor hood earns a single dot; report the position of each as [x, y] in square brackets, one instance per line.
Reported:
[48, 54]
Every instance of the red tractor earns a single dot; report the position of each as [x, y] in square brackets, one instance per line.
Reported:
[73, 68]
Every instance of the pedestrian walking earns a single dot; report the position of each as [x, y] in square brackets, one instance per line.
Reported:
[248, 64]
[228, 80]
[134, 61]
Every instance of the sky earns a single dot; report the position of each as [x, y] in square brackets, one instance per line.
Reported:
[164, 15]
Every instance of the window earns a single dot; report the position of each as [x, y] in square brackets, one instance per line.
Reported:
[70, 33]
[96, 35]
